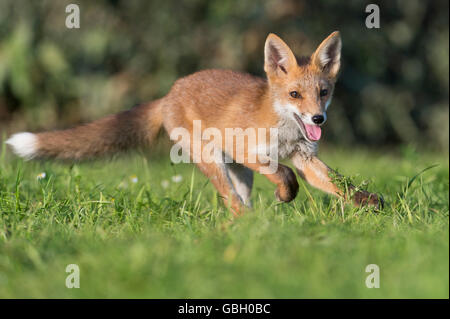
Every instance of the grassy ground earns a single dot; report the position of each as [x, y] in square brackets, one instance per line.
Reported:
[146, 236]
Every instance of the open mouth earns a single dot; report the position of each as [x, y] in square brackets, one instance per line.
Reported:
[311, 132]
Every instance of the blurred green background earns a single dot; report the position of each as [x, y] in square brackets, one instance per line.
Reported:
[393, 88]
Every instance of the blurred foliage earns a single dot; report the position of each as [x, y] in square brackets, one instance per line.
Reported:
[393, 88]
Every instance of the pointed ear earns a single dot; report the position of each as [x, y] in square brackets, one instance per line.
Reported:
[278, 58]
[327, 57]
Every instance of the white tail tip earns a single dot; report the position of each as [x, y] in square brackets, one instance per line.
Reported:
[24, 144]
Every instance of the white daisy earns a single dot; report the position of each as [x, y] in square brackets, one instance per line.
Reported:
[177, 178]
[41, 176]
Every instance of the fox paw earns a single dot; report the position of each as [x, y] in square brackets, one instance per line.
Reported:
[287, 191]
[361, 198]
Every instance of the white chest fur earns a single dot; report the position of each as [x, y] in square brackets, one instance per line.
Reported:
[290, 137]
[290, 140]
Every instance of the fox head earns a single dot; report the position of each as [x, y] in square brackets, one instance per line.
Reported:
[301, 89]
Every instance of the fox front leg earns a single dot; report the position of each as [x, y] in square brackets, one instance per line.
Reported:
[317, 174]
[282, 176]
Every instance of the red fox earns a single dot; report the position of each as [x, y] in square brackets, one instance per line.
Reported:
[293, 99]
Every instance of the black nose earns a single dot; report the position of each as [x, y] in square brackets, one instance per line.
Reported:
[318, 119]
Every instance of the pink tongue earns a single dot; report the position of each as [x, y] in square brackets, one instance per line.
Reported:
[313, 131]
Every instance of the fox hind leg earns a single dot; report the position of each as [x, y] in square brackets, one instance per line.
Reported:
[241, 179]
[217, 174]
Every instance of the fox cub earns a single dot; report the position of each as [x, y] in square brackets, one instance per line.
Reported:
[293, 100]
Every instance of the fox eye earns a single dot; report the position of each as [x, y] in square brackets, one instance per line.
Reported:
[294, 94]
[323, 92]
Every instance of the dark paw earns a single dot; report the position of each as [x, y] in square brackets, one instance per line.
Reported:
[287, 191]
[361, 198]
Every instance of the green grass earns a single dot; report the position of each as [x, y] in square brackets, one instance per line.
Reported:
[141, 240]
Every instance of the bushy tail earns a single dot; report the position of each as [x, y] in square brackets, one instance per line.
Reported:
[129, 129]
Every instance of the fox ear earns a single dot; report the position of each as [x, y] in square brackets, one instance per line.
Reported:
[328, 55]
[278, 57]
